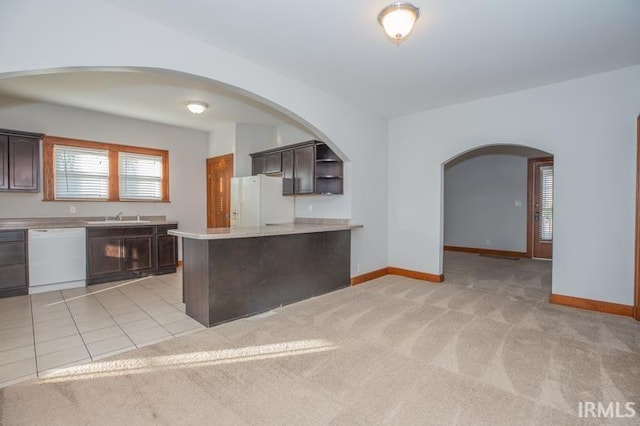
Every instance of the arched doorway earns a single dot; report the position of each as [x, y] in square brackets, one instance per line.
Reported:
[498, 199]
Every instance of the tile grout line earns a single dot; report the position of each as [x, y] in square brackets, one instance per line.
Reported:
[113, 319]
[76, 324]
[33, 333]
[141, 309]
[150, 316]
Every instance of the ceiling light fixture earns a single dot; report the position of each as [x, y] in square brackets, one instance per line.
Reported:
[398, 19]
[196, 107]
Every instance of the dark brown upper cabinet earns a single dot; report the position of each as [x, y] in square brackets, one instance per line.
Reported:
[328, 171]
[267, 164]
[19, 161]
[303, 170]
[258, 165]
[306, 168]
[287, 172]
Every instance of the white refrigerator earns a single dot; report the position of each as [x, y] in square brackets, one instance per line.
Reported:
[258, 201]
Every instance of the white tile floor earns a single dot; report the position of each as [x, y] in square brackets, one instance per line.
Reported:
[62, 328]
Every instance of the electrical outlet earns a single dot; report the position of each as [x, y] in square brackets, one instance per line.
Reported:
[310, 208]
[518, 203]
[488, 243]
[72, 209]
[358, 267]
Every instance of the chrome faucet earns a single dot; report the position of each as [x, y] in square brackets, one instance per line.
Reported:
[118, 216]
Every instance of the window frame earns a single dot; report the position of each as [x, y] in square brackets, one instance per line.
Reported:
[48, 166]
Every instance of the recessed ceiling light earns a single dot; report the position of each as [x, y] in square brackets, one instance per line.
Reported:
[197, 107]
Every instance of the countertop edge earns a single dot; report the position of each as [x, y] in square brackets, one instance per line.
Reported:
[261, 231]
[27, 226]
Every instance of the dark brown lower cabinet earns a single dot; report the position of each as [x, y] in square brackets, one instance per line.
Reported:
[233, 278]
[116, 253]
[138, 254]
[13, 263]
[105, 255]
[167, 249]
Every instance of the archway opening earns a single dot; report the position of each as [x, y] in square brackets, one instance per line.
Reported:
[498, 218]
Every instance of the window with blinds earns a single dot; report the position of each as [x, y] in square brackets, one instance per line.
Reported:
[75, 169]
[140, 176]
[546, 203]
[81, 173]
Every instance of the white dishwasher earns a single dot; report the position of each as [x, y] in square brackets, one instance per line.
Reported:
[57, 259]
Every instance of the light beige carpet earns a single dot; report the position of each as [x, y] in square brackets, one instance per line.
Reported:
[484, 347]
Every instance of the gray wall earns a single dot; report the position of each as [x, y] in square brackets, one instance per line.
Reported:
[251, 138]
[480, 198]
[187, 153]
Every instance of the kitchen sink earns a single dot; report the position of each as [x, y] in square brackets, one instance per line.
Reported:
[116, 221]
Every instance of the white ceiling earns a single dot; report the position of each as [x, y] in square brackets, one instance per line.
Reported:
[460, 50]
[145, 95]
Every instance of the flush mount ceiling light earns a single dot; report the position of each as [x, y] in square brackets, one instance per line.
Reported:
[398, 19]
[196, 107]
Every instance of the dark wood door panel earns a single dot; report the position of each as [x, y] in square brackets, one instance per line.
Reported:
[13, 276]
[167, 251]
[105, 255]
[23, 163]
[259, 165]
[4, 165]
[287, 173]
[304, 170]
[138, 253]
[274, 163]
[12, 253]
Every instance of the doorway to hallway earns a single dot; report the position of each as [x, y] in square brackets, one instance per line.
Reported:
[540, 208]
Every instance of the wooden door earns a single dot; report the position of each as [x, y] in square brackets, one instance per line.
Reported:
[219, 173]
[541, 214]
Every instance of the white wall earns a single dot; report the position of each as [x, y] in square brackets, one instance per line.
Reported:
[251, 138]
[480, 197]
[222, 139]
[187, 150]
[588, 124]
[287, 135]
[141, 43]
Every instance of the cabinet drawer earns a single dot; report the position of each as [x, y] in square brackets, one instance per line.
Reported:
[12, 253]
[124, 231]
[11, 236]
[13, 276]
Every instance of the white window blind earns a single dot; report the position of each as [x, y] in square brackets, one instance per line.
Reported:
[140, 176]
[546, 203]
[81, 173]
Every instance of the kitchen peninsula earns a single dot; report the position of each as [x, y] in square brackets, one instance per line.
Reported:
[231, 273]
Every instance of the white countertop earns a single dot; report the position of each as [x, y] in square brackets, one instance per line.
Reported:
[259, 231]
[78, 222]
